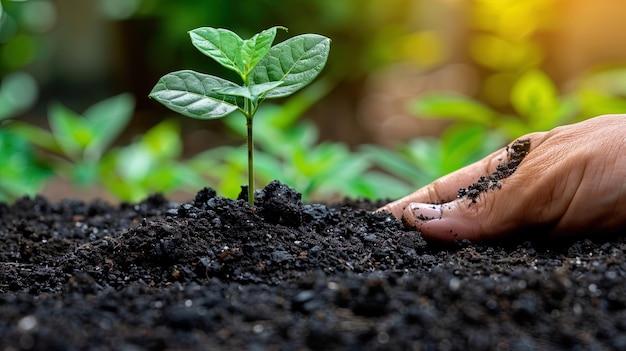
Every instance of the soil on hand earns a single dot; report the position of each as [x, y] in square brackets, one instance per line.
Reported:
[516, 153]
[218, 274]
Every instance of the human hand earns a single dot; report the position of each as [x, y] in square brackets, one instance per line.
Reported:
[572, 181]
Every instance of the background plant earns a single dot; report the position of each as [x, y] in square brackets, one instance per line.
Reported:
[79, 148]
[22, 173]
[535, 101]
[415, 163]
[266, 71]
[74, 144]
[152, 163]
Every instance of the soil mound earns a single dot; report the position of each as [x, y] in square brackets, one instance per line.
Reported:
[215, 273]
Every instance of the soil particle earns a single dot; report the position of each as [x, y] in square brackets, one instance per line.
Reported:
[216, 273]
[516, 153]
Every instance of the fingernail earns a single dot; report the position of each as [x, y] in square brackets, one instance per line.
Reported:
[425, 212]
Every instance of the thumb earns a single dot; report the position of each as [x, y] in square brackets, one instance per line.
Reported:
[451, 221]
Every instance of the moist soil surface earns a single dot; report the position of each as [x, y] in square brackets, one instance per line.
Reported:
[216, 273]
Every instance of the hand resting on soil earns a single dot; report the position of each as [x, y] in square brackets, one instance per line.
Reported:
[568, 181]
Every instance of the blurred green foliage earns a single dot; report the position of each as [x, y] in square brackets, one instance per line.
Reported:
[422, 160]
[502, 42]
[21, 174]
[536, 106]
[78, 148]
[21, 25]
[534, 99]
[75, 143]
[150, 164]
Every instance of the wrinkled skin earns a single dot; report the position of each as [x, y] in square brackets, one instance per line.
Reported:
[572, 181]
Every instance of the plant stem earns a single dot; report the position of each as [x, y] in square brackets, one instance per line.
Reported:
[250, 161]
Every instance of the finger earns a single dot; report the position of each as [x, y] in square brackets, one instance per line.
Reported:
[446, 222]
[445, 189]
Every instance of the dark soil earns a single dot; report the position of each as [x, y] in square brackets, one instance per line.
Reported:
[217, 274]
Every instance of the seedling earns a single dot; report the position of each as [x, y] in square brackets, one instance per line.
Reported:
[266, 72]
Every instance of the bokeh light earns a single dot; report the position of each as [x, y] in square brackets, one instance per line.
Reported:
[18, 91]
[38, 16]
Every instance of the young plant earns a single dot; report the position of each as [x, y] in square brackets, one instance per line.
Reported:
[266, 72]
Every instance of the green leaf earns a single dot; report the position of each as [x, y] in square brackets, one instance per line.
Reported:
[36, 136]
[222, 45]
[71, 132]
[462, 144]
[252, 92]
[255, 48]
[296, 61]
[392, 162]
[595, 103]
[107, 120]
[534, 96]
[163, 141]
[426, 154]
[21, 172]
[194, 94]
[460, 108]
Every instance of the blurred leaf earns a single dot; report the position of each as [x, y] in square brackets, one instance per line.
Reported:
[595, 103]
[21, 173]
[463, 144]
[425, 154]
[382, 186]
[84, 172]
[107, 119]
[282, 143]
[36, 136]
[443, 105]
[293, 109]
[534, 96]
[148, 165]
[69, 130]
[163, 140]
[394, 163]
[18, 91]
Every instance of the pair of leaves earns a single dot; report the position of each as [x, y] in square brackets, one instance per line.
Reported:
[267, 72]
[232, 52]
